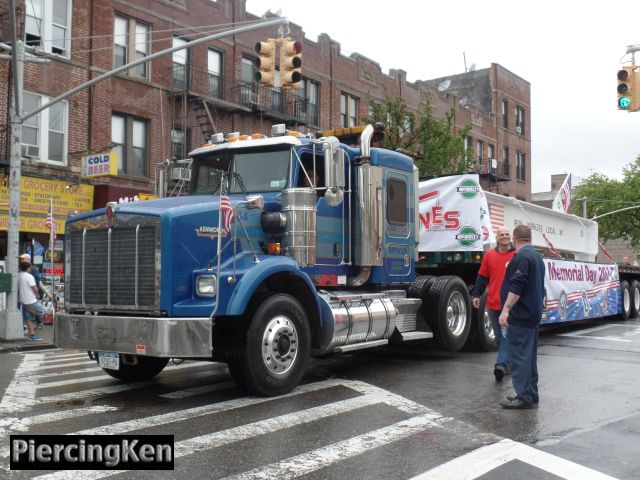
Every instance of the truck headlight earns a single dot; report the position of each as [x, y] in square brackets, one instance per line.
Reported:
[206, 285]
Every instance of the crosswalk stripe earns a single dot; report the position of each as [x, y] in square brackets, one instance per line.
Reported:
[104, 376]
[69, 355]
[308, 462]
[64, 397]
[176, 416]
[236, 434]
[88, 362]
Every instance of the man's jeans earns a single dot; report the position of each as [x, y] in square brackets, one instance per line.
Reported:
[501, 340]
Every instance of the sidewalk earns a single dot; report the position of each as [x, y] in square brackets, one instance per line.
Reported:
[22, 345]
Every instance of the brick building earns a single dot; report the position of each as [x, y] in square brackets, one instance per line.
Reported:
[161, 110]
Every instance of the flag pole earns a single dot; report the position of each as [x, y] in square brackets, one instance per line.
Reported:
[52, 246]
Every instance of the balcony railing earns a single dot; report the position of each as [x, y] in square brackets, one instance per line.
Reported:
[282, 104]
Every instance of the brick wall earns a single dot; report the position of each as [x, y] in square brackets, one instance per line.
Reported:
[90, 110]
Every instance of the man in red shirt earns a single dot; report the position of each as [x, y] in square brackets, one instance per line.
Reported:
[492, 270]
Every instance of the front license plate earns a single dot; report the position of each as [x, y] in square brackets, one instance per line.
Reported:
[109, 360]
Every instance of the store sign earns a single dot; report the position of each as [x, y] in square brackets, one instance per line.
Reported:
[36, 194]
[100, 164]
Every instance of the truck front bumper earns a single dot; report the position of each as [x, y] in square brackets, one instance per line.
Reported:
[157, 337]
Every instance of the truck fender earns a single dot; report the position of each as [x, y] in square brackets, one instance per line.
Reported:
[267, 267]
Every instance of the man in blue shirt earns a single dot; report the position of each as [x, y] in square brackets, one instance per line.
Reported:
[522, 298]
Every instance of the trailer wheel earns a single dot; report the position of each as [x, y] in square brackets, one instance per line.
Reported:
[448, 312]
[485, 337]
[625, 293]
[274, 357]
[143, 368]
[635, 297]
[420, 288]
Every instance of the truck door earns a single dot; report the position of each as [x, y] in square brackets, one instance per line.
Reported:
[399, 243]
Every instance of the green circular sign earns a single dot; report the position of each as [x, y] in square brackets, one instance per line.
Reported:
[468, 236]
[468, 189]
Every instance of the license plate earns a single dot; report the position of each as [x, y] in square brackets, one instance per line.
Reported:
[109, 360]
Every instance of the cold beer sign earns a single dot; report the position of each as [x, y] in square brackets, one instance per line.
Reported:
[100, 164]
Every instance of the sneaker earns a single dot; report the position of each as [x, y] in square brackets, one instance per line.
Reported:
[498, 372]
[34, 338]
[40, 326]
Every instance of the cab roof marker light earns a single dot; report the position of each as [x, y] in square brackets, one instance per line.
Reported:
[257, 136]
[293, 134]
[233, 134]
[245, 137]
[278, 130]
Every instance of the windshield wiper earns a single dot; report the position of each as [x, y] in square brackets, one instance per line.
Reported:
[238, 178]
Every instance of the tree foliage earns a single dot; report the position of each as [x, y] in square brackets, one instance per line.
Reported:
[435, 146]
[605, 195]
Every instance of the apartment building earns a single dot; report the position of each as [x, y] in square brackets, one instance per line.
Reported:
[150, 116]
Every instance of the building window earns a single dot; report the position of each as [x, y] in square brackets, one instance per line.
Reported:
[180, 62]
[214, 67]
[309, 93]
[491, 157]
[129, 140]
[348, 110]
[505, 162]
[520, 120]
[124, 44]
[47, 24]
[179, 145]
[505, 113]
[248, 87]
[44, 136]
[480, 154]
[468, 144]
[520, 166]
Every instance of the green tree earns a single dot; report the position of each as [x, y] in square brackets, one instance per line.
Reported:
[437, 149]
[604, 195]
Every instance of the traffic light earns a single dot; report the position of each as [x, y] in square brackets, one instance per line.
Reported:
[266, 62]
[627, 89]
[291, 64]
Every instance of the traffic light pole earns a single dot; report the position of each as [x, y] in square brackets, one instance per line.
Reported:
[11, 318]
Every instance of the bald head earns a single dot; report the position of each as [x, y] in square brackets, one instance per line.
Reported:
[503, 237]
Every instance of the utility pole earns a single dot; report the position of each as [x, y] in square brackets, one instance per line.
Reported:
[11, 319]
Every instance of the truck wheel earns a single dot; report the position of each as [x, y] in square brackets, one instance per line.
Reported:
[144, 368]
[420, 288]
[277, 348]
[625, 293]
[635, 297]
[449, 309]
[485, 337]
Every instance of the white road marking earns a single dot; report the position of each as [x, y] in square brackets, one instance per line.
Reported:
[68, 355]
[322, 457]
[270, 425]
[485, 459]
[20, 394]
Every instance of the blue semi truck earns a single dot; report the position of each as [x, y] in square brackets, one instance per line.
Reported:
[286, 247]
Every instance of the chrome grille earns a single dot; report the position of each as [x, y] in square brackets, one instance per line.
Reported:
[115, 268]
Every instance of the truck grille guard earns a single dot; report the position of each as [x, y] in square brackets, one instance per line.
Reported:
[114, 268]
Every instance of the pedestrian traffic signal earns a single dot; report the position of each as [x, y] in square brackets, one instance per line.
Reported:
[266, 62]
[291, 64]
[627, 91]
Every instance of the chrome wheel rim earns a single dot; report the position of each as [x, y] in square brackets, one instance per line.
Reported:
[456, 314]
[279, 345]
[488, 327]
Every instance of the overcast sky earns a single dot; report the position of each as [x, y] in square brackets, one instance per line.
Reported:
[568, 50]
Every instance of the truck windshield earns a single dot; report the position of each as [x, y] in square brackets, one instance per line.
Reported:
[250, 171]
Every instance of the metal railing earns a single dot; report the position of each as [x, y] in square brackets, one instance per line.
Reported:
[285, 104]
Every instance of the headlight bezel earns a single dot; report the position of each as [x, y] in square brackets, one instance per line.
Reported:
[206, 285]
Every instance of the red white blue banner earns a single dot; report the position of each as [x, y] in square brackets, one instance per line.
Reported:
[578, 290]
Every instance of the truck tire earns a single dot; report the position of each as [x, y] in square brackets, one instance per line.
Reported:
[448, 312]
[144, 369]
[420, 288]
[625, 293]
[272, 358]
[485, 337]
[635, 299]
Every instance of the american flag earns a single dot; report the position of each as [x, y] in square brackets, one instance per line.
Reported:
[50, 223]
[226, 208]
[566, 193]
[496, 213]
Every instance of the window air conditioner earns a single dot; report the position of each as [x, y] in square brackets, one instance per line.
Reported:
[30, 151]
[180, 173]
[519, 130]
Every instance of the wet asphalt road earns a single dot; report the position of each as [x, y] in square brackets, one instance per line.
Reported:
[394, 413]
